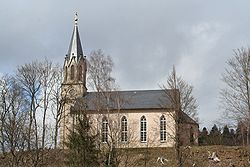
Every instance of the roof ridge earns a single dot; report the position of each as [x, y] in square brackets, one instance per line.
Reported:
[138, 90]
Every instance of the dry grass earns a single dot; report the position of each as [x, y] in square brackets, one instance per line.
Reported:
[52, 158]
[239, 156]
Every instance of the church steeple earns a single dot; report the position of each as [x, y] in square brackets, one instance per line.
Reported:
[74, 82]
[75, 64]
[75, 47]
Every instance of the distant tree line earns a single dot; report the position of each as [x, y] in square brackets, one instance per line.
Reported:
[224, 136]
[235, 102]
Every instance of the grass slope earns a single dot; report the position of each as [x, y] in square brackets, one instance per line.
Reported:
[239, 156]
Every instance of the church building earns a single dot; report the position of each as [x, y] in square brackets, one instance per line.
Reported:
[138, 118]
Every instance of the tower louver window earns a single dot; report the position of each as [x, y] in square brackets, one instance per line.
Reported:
[72, 72]
[80, 73]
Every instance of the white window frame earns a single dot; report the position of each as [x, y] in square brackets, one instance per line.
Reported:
[163, 129]
[143, 129]
[104, 130]
[124, 129]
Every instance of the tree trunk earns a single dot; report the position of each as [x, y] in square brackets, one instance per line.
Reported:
[30, 127]
[56, 135]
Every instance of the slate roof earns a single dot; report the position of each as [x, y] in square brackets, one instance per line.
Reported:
[75, 47]
[186, 119]
[137, 99]
[130, 100]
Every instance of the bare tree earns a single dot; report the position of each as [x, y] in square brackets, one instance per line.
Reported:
[235, 96]
[188, 103]
[14, 124]
[174, 97]
[39, 81]
[29, 76]
[57, 105]
[27, 100]
[3, 110]
[49, 75]
[51, 80]
[99, 71]
[100, 80]
[180, 94]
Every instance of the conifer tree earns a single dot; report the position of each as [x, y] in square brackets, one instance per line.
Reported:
[215, 136]
[203, 138]
[233, 137]
[83, 151]
[226, 136]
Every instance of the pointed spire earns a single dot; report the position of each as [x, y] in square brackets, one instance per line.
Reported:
[75, 47]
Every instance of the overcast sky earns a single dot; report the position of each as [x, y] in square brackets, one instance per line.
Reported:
[144, 38]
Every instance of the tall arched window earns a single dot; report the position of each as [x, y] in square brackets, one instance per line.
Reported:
[104, 130]
[163, 128]
[124, 129]
[72, 72]
[80, 73]
[143, 129]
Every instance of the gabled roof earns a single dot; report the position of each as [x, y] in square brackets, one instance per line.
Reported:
[137, 99]
[129, 100]
[186, 119]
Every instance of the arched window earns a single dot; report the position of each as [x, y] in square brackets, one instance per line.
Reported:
[72, 72]
[124, 129]
[104, 130]
[163, 128]
[143, 129]
[80, 73]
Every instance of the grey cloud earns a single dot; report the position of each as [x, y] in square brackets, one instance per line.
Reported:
[144, 38]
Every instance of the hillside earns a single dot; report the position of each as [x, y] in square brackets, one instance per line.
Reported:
[238, 156]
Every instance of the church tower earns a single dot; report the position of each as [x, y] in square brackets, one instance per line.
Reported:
[74, 80]
[75, 68]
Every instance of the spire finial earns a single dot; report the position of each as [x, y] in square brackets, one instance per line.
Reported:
[76, 18]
